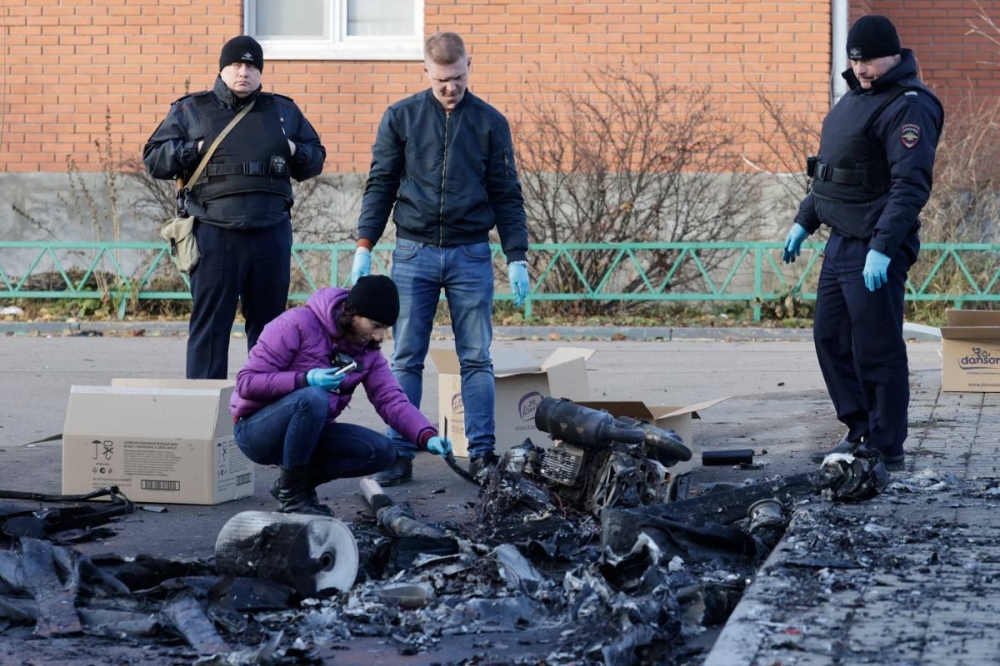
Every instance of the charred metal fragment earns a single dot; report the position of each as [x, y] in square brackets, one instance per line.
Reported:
[516, 570]
[505, 613]
[856, 477]
[56, 604]
[185, 615]
[145, 571]
[406, 596]
[405, 551]
[119, 622]
[18, 610]
[397, 518]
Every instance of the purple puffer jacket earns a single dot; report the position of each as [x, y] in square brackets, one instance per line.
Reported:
[306, 337]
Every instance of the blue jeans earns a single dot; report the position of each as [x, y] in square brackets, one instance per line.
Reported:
[465, 272]
[293, 432]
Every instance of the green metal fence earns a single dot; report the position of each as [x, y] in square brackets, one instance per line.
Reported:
[750, 273]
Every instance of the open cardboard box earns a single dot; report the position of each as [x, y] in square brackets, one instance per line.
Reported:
[970, 351]
[678, 419]
[521, 383]
[162, 441]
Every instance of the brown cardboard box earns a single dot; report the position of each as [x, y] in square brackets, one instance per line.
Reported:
[521, 383]
[970, 351]
[162, 441]
[678, 419]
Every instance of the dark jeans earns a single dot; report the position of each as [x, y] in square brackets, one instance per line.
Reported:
[249, 268]
[859, 342]
[293, 432]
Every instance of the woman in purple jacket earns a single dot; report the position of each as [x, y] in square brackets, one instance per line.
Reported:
[301, 375]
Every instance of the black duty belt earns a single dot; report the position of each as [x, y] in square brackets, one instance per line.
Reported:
[835, 175]
[245, 169]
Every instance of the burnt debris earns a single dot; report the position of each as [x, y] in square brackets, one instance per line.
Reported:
[574, 553]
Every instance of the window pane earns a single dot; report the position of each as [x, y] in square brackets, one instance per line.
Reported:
[380, 17]
[278, 19]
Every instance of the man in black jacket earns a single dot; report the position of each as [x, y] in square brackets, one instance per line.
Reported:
[241, 202]
[444, 158]
[871, 178]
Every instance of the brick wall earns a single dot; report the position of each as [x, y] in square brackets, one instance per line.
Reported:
[955, 64]
[72, 66]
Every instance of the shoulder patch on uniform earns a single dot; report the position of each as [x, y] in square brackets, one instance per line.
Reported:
[190, 96]
[909, 134]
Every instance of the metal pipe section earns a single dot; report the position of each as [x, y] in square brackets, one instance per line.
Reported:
[838, 49]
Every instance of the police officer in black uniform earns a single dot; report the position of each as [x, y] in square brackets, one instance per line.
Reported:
[869, 182]
[241, 202]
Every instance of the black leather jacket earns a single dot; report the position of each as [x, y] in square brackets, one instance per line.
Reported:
[451, 176]
[247, 181]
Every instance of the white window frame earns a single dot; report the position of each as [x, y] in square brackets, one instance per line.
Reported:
[341, 46]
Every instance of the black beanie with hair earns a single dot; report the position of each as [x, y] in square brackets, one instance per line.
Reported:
[375, 297]
[872, 37]
[242, 49]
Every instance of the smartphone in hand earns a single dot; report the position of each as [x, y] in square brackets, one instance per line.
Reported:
[347, 368]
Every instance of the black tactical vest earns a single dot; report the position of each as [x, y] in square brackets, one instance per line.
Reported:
[852, 167]
[252, 158]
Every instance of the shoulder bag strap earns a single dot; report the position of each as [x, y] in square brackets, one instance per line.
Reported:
[215, 144]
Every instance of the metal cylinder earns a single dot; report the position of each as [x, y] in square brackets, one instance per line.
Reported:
[582, 426]
[313, 554]
[727, 457]
[766, 512]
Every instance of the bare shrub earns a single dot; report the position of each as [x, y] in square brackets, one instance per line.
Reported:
[633, 159]
[964, 203]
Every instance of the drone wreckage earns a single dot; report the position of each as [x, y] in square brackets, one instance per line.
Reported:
[588, 542]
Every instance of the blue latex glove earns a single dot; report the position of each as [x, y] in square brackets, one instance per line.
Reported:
[876, 265]
[519, 285]
[362, 265]
[325, 378]
[793, 243]
[439, 445]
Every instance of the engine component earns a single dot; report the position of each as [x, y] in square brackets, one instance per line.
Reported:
[311, 553]
[562, 464]
[595, 430]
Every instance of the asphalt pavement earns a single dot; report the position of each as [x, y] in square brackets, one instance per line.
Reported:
[777, 406]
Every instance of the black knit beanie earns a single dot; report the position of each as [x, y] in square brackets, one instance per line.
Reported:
[242, 49]
[375, 297]
[872, 37]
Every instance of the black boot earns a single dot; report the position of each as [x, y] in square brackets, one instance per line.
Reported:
[481, 467]
[400, 471]
[315, 480]
[297, 494]
[843, 446]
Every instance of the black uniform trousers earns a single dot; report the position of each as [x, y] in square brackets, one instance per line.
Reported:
[859, 342]
[248, 265]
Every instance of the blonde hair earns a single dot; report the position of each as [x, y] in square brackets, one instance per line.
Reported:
[444, 48]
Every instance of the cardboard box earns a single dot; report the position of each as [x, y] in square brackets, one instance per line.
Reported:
[161, 441]
[678, 419]
[521, 383]
[970, 351]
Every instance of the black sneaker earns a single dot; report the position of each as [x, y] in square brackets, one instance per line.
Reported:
[481, 467]
[843, 446]
[400, 471]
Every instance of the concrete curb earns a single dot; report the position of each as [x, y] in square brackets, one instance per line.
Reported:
[637, 333]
